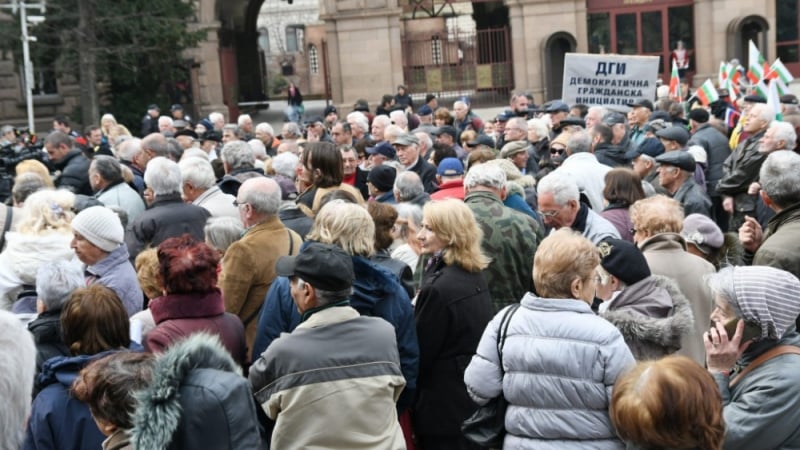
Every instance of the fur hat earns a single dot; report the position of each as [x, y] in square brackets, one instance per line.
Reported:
[624, 260]
[100, 226]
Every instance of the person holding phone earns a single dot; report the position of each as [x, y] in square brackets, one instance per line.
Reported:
[753, 353]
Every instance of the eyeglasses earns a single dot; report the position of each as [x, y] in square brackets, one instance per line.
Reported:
[633, 231]
[237, 204]
[557, 151]
[548, 214]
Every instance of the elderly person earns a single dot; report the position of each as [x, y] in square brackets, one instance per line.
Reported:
[376, 291]
[657, 223]
[43, 234]
[623, 188]
[668, 403]
[649, 310]
[108, 386]
[705, 239]
[517, 153]
[239, 163]
[752, 352]
[583, 167]
[560, 207]
[192, 302]
[222, 232]
[409, 221]
[559, 360]
[452, 310]
[168, 216]
[55, 282]
[16, 379]
[200, 189]
[98, 243]
[105, 175]
[93, 322]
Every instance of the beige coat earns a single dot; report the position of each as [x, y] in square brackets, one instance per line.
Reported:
[666, 255]
[248, 269]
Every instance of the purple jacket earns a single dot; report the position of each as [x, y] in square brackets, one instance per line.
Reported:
[179, 315]
[621, 219]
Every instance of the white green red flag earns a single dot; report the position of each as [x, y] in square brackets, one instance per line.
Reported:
[779, 71]
[734, 75]
[707, 93]
[761, 89]
[723, 73]
[675, 83]
[773, 99]
[757, 67]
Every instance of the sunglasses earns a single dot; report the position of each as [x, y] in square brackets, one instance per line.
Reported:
[559, 151]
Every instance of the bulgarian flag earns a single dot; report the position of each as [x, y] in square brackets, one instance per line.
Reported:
[723, 73]
[756, 67]
[707, 93]
[761, 89]
[773, 99]
[734, 75]
[779, 71]
[675, 83]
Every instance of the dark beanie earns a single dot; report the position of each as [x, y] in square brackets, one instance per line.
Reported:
[382, 177]
[624, 260]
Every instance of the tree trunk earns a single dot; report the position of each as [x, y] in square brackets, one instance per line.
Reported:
[90, 109]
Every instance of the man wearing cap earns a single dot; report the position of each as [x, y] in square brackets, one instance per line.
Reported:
[717, 151]
[178, 113]
[380, 183]
[150, 120]
[450, 178]
[481, 141]
[638, 117]
[335, 357]
[741, 167]
[330, 116]
[209, 143]
[448, 135]
[517, 153]
[407, 148]
[558, 111]
[380, 153]
[675, 175]
[186, 138]
[620, 130]
[248, 267]
[99, 243]
[643, 161]
[425, 115]
[500, 127]
[315, 130]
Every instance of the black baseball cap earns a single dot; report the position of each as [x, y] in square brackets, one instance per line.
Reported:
[323, 266]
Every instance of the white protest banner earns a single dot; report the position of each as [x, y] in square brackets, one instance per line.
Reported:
[608, 80]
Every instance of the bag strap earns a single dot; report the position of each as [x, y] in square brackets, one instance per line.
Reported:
[766, 356]
[501, 338]
[6, 226]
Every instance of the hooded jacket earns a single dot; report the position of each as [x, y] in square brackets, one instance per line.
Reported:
[611, 155]
[197, 399]
[376, 292]
[46, 331]
[74, 167]
[652, 315]
[57, 419]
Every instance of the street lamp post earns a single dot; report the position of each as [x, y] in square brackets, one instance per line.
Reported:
[26, 52]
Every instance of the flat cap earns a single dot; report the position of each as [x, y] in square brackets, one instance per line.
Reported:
[643, 102]
[699, 115]
[675, 133]
[556, 106]
[651, 147]
[447, 129]
[482, 139]
[512, 148]
[683, 160]
[755, 98]
[406, 139]
[789, 99]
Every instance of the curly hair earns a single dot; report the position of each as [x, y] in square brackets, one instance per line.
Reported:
[562, 257]
[657, 214]
[47, 210]
[668, 403]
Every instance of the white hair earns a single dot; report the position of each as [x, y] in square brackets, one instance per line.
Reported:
[215, 117]
[540, 127]
[424, 139]
[197, 172]
[259, 150]
[163, 176]
[360, 119]
[55, 281]
[408, 185]
[784, 131]
[128, 149]
[165, 120]
[243, 119]
[237, 155]
[561, 186]
[18, 360]
[780, 177]
[194, 152]
[765, 112]
[488, 175]
[383, 120]
[264, 127]
[399, 118]
[285, 164]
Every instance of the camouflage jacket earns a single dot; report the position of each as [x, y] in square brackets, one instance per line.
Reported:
[510, 239]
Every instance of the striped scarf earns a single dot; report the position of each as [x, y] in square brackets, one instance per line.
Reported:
[769, 297]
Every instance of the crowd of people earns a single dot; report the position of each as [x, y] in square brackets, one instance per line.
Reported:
[372, 280]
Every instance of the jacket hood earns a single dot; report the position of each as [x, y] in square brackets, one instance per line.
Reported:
[158, 413]
[64, 369]
[663, 332]
[29, 251]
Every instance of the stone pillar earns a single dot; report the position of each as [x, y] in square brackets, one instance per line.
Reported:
[364, 49]
[532, 23]
[208, 91]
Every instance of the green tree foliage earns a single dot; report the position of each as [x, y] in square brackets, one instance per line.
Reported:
[137, 46]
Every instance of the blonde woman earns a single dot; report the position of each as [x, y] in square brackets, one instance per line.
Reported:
[451, 312]
[107, 123]
[43, 235]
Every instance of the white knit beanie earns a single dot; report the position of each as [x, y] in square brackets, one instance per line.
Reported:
[100, 226]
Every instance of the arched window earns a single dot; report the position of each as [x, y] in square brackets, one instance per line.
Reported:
[313, 59]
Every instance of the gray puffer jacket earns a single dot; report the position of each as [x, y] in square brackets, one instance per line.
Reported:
[560, 362]
[652, 315]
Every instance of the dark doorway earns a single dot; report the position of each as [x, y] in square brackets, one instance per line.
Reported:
[746, 29]
[556, 47]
